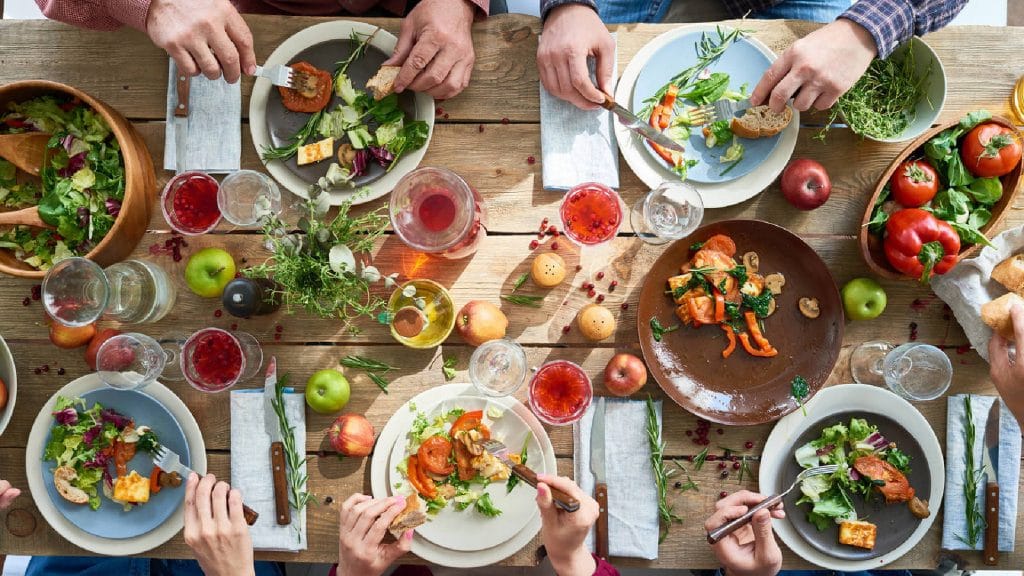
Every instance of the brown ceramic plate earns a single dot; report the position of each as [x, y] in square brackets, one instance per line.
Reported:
[895, 522]
[744, 390]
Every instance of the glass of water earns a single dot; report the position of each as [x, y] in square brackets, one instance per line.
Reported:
[132, 361]
[915, 371]
[498, 367]
[246, 197]
[671, 211]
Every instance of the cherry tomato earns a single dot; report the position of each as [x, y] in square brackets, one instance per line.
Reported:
[990, 149]
[914, 183]
[293, 100]
[434, 455]
[721, 243]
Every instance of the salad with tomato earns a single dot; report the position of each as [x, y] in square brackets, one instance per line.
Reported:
[444, 464]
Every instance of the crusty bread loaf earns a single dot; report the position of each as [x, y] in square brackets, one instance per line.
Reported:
[1010, 273]
[62, 479]
[761, 122]
[996, 314]
[410, 518]
[383, 82]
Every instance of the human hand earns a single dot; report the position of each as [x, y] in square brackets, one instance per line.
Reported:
[751, 550]
[563, 532]
[363, 522]
[808, 71]
[7, 494]
[207, 36]
[215, 527]
[1007, 374]
[435, 48]
[573, 32]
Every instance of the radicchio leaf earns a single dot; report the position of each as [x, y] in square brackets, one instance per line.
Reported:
[90, 435]
[98, 461]
[66, 417]
[113, 207]
[360, 162]
[382, 155]
[112, 416]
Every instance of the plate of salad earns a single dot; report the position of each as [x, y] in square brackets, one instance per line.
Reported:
[885, 494]
[98, 466]
[464, 489]
[332, 131]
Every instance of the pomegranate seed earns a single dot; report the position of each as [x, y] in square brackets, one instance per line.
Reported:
[279, 328]
[531, 160]
[38, 371]
[277, 336]
[689, 432]
[505, 121]
[554, 245]
[566, 329]
[600, 297]
[552, 230]
[625, 306]
[534, 244]
[540, 235]
[61, 371]
[544, 222]
[26, 301]
[749, 445]
[438, 110]
[579, 267]
[217, 313]
[590, 293]
[590, 286]
[445, 115]
[556, 233]
[480, 128]
[735, 465]
[711, 458]
[177, 257]
[184, 244]
[722, 494]
[721, 465]
[234, 326]
[600, 275]
[154, 249]
[720, 431]
[46, 367]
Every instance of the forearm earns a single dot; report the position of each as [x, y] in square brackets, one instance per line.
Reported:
[892, 22]
[97, 14]
[549, 5]
[579, 562]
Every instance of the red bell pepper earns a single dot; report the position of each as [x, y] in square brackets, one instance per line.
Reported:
[660, 119]
[918, 244]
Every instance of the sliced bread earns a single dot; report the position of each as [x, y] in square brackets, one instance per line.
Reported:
[1010, 273]
[761, 122]
[996, 314]
[383, 82]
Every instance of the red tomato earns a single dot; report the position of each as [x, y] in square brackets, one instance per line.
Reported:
[914, 183]
[990, 150]
[296, 101]
[471, 421]
[721, 243]
[434, 454]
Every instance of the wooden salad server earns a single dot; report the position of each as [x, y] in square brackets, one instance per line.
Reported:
[26, 150]
[26, 216]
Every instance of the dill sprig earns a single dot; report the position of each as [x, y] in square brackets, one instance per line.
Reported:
[975, 519]
[665, 510]
[295, 459]
[522, 300]
[520, 281]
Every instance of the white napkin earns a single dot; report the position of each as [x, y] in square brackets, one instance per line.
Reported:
[577, 145]
[250, 467]
[968, 285]
[954, 519]
[214, 142]
[632, 494]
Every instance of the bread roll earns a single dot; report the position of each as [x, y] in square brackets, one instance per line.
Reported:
[996, 314]
[761, 122]
[1010, 273]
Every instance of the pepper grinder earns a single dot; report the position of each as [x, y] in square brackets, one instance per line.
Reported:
[246, 297]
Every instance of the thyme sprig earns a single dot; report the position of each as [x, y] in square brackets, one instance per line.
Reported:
[523, 300]
[665, 510]
[298, 495]
[372, 368]
[972, 508]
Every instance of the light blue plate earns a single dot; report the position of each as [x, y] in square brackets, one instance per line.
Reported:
[744, 63]
[110, 520]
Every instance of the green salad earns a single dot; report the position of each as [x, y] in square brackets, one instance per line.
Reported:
[83, 180]
[841, 444]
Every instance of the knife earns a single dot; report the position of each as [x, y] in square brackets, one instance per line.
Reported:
[990, 465]
[181, 121]
[526, 474]
[597, 466]
[273, 427]
[630, 120]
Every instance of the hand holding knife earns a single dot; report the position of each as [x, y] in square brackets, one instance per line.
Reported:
[283, 510]
[597, 466]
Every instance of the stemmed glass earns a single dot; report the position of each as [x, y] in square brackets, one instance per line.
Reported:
[214, 360]
[245, 197]
[132, 361]
[76, 292]
[498, 367]
[915, 371]
[671, 211]
[591, 216]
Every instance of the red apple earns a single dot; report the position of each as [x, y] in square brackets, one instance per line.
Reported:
[352, 435]
[3, 394]
[625, 374]
[71, 337]
[97, 341]
[480, 321]
[806, 184]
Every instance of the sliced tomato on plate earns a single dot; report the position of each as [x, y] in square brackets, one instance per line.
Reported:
[435, 455]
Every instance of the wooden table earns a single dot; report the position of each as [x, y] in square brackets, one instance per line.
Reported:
[487, 134]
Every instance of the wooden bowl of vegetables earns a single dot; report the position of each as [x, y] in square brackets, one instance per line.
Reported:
[937, 201]
[96, 187]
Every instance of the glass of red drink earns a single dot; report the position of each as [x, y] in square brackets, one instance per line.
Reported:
[434, 210]
[560, 393]
[214, 360]
[591, 214]
[189, 203]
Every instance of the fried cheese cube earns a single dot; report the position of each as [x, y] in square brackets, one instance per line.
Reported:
[857, 533]
[132, 488]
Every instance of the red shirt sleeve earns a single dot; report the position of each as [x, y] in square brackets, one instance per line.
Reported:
[604, 568]
[97, 14]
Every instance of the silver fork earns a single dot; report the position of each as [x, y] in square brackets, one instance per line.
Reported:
[278, 74]
[725, 108]
[169, 461]
[716, 535]
[703, 114]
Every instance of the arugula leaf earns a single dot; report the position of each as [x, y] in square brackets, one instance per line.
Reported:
[485, 506]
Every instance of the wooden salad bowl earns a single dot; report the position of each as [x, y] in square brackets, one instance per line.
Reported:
[140, 179]
[871, 245]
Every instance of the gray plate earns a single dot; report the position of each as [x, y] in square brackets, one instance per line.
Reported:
[895, 522]
[283, 123]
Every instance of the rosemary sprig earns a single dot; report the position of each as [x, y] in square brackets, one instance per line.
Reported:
[520, 281]
[295, 459]
[689, 484]
[379, 381]
[523, 300]
[975, 519]
[364, 363]
[665, 510]
[699, 459]
[360, 49]
[744, 468]
[448, 369]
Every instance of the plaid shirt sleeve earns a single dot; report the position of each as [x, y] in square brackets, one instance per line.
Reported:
[892, 22]
[548, 5]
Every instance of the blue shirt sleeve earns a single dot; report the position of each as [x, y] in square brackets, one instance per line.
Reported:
[892, 22]
[547, 5]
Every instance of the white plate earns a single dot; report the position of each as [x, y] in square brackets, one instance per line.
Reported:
[106, 546]
[9, 374]
[653, 173]
[468, 530]
[394, 431]
[849, 398]
[325, 32]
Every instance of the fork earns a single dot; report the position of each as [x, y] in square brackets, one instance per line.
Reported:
[725, 108]
[703, 114]
[168, 460]
[715, 536]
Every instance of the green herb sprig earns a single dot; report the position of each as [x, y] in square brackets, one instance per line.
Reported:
[699, 459]
[799, 389]
[448, 369]
[298, 494]
[684, 486]
[372, 368]
[657, 330]
[520, 281]
[972, 507]
[513, 480]
[523, 300]
[665, 510]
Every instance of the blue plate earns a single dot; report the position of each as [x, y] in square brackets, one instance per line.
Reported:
[744, 63]
[110, 520]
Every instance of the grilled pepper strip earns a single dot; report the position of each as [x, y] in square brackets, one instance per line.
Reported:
[732, 341]
[918, 244]
[719, 307]
[660, 119]
[755, 331]
[745, 340]
[154, 480]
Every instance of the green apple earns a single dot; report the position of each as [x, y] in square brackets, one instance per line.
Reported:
[327, 391]
[209, 271]
[863, 299]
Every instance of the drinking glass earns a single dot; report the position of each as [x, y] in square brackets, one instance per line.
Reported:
[189, 203]
[246, 197]
[498, 367]
[560, 393]
[76, 292]
[433, 210]
[213, 360]
[591, 215]
[131, 361]
[671, 211]
[915, 371]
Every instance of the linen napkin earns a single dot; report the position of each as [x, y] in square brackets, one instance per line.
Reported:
[632, 494]
[250, 467]
[954, 521]
[577, 145]
[968, 285]
[214, 142]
